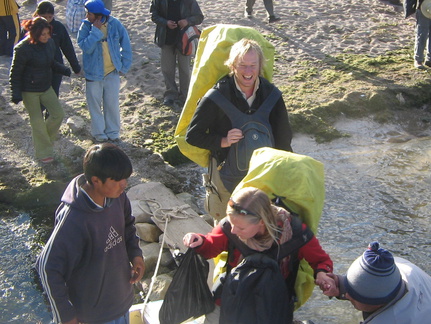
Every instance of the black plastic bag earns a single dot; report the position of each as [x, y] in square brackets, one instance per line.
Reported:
[188, 294]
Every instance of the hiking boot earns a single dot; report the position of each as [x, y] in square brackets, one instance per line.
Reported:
[168, 102]
[428, 63]
[418, 65]
[248, 15]
[272, 19]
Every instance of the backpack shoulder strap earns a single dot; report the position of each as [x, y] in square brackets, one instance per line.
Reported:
[233, 113]
[300, 238]
[224, 104]
[269, 101]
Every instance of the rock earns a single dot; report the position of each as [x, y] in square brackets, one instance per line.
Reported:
[160, 286]
[148, 232]
[142, 211]
[151, 251]
[189, 200]
[76, 125]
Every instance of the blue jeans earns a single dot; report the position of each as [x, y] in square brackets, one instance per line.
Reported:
[121, 320]
[423, 33]
[105, 123]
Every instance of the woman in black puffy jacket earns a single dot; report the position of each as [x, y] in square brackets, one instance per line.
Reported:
[30, 78]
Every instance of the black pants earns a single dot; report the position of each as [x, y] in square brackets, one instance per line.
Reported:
[9, 34]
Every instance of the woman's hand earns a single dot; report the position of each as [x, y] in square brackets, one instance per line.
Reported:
[192, 240]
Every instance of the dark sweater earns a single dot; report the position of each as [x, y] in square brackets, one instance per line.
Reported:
[84, 267]
[64, 46]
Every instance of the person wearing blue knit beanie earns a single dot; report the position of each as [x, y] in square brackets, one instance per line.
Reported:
[385, 288]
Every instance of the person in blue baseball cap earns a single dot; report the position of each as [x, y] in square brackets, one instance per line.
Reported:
[386, 289]
[107, 53]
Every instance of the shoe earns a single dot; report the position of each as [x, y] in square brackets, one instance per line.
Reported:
[419, 65]
[100, 140]
[272, 19]
[248, 15]
[428, 63]
[168, 102]
[47, 160]
[115, 140]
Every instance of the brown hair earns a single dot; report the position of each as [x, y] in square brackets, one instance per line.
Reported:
[35, 27]
[242, 47]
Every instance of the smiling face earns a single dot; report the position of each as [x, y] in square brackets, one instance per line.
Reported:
[45, 36]
[246, 71]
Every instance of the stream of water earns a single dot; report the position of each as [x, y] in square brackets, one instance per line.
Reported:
[375, 190]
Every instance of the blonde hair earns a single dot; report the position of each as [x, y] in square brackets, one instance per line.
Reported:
[258, 207]
[242, 47]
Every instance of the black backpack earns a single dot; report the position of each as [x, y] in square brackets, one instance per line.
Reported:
[255, 291]
[257, 133]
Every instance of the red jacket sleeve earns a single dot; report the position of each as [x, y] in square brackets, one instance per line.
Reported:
[313, 253]
[214, 243]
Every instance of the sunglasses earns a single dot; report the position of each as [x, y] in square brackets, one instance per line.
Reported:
[238, 209]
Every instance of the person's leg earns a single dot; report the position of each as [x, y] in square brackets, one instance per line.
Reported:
[184, 72]
[269, 6]
[42, 142]
[428, 55]
[249, 6]
[108, 4]
[56, 113]
[121, 320]
[3, 35]
[94, 92]
[11, 33]
[56, 83]
[111, 105]
[422, 33]
[168, 63]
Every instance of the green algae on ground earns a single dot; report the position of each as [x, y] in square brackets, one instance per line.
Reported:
[353, 86]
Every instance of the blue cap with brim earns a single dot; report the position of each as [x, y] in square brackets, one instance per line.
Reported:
[97, 7]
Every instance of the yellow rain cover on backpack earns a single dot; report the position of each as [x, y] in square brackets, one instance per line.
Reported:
[213, 50]
[299, 179]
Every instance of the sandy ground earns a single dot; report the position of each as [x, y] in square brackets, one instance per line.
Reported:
[308, 30]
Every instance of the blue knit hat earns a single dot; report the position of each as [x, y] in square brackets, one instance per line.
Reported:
[373, 278]
[96, 7]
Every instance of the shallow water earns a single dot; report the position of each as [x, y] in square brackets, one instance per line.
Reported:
[375, 190]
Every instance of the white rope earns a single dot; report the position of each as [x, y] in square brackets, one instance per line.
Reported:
[153, 278]
[163, 214]
[173, 212]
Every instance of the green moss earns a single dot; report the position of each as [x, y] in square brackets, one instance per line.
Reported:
[354, 86]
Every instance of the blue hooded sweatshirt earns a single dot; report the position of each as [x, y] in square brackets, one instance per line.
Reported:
[85, 265]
